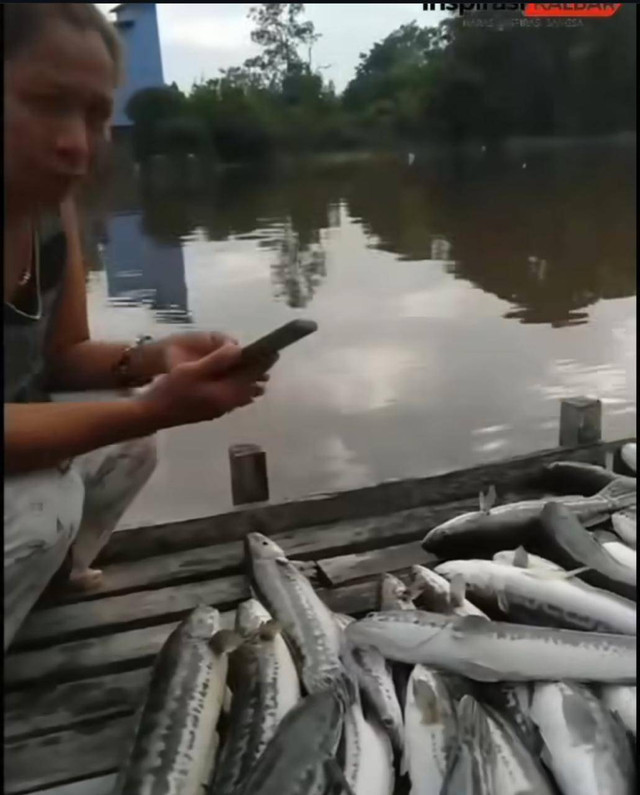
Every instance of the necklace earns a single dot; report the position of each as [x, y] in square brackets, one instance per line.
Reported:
[26, 278]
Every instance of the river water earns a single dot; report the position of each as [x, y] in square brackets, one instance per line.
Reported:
[458, 301]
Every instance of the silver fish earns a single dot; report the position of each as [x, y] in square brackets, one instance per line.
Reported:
[306, 621]
[436, 594]
[625, 524]
[616, 548]
[574, 477]
[373, 674]
[175, 743]
[542, 598]
[368, 758]
[394, 594]
[584, 747]
[430, 731]
[470, 770]
[300, 757]
[491, 651]
[524, 560]
[265, 687]
[621, 701]
[629, 455]
[514, 768]
[513, 700]
[493, 529]
[572, 546]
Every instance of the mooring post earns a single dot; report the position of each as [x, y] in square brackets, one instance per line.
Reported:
[580, 421]
[249, 481]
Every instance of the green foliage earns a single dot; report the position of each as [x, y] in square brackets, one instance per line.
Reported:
[460, 81]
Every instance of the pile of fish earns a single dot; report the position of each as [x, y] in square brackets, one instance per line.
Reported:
[509, 668]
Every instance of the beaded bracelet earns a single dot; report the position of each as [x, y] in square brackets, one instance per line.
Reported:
[122, 367]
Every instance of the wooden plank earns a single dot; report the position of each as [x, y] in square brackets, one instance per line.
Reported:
[137, 648]
[98, 785]
[347, 568]
[122, 651]
[95, 749]
[384, 498]
[66, 756]
[44, 708]
[302, 544]
[115, 613]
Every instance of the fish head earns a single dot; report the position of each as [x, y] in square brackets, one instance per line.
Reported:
[392, 590]
[202, 622]
[467, 526]
[250, 615]
[260, 547]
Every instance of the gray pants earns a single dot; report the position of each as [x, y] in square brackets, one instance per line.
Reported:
[73, 505]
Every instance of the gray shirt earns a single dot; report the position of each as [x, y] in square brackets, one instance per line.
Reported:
[27, 326]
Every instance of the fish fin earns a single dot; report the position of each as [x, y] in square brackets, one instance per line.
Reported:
[336, 774]
[269, 629]
[465, 624]
[550, 574]
[426, 701]
[228, 699]
[457, 590]
[225, 641]
[521, 558]
[488, 500]
[479, 672]
[617, 489]
[503, 601]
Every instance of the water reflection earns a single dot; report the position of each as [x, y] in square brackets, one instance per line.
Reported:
[540, 239]
[143, 270]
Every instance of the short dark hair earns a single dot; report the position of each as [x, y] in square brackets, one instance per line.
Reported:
[23, 22]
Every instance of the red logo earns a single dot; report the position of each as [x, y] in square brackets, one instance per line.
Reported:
[571, 9]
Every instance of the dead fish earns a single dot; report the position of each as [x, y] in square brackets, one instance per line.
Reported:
[306, 621]
[394, 594]
[515, 769]
[628, 455]
[265, 687]
[368, 758]
[300, 757]
[513, 700]
[469, 771]
[430, 731]
[616, 548]
[584, 747]
[436, 594]
[625, 525]
[541, 597]
[574, 477]
[492, 651]
[621, 701]
[571, 546]
[175, 741]
[492, 529]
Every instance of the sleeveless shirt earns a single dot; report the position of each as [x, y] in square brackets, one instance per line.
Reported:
[27, 329]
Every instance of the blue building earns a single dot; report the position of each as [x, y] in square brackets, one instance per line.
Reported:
[137, 24]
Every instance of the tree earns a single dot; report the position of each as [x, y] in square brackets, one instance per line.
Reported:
[280, 32]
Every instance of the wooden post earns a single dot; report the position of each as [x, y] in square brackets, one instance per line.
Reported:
[580, 421]
[249, 481]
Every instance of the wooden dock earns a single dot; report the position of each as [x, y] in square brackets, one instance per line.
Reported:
[76, 672]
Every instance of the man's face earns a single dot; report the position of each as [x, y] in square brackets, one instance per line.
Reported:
[58, 96]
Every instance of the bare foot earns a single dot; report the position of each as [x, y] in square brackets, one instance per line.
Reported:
[86, 580]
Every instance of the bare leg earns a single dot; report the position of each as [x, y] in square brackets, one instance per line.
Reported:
[113, 476]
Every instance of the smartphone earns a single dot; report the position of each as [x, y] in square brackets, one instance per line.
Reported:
[276, 340]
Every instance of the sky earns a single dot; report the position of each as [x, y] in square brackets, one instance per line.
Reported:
[197, 39]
